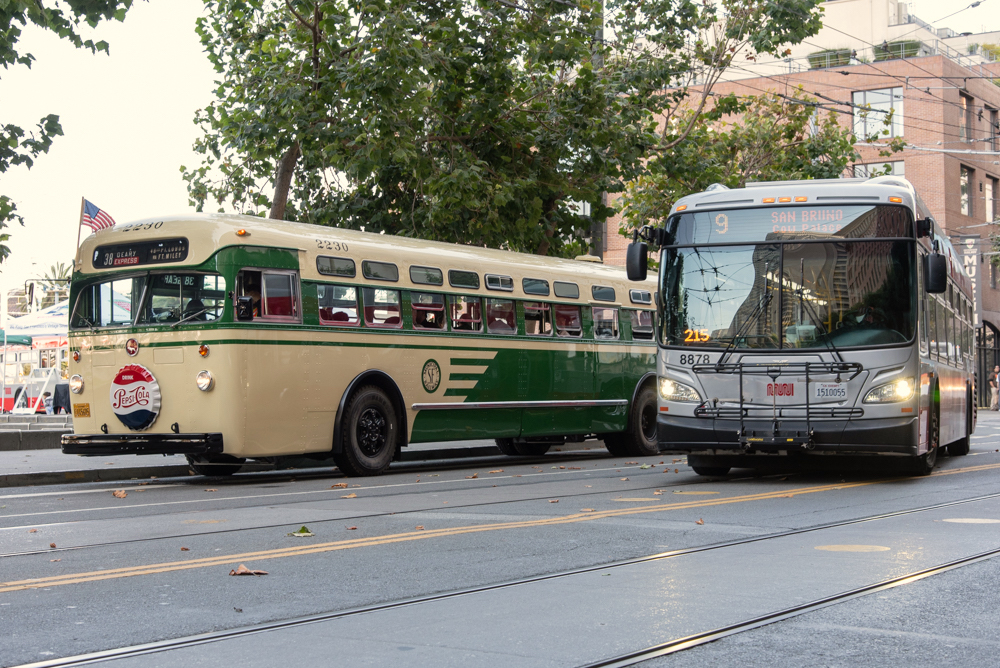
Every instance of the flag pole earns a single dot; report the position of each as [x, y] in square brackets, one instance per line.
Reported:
[79, 230]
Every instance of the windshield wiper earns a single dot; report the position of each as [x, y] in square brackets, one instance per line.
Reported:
[89, 324]
[761, 307]
[193, 315]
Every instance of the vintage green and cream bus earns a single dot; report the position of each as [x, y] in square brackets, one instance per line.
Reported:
[226, 338]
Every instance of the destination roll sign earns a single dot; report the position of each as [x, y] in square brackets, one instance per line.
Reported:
[140, 252]
[790, 222]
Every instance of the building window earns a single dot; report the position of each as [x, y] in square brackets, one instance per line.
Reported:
[994, 121]
[989, 203]
[871, 108]
[965, 120]
[965, 181]
[879, 169]
[993, 276]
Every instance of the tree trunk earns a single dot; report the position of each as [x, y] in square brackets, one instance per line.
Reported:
[283, 181]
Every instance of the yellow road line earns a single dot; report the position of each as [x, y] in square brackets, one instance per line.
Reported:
[233, 559]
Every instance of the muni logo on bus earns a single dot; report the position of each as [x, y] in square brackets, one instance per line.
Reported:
[781, 389]
[135, 397]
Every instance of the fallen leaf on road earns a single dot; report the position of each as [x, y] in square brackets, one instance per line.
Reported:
[700, 521]
[303, 532]
[586, 510]
[52, 545]
[657, 493]
[243, 570]
[211, 490]
[623, 478]
[184, 549]
[787, 496]
[588, 485]
[55, 560]
[352, 495]
[562, 467]
[420, 527]
[33, 531]
[553, 500]
[119, 494]
[472, 477]
[355, 485]
[645, 466]
[674, 461]
[627, 463]
[351, 528]
[339, 485]
[575, 468]
[677, 470]
[238, 609]
[497, 471]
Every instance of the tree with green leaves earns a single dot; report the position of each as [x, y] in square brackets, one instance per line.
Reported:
[498, 123]
[20, 147]
[770, 137]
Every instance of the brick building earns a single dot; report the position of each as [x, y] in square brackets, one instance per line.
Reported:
[940, 86]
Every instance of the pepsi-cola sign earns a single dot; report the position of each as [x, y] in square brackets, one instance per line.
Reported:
[135, 397]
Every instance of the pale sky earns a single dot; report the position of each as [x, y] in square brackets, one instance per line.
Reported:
[128, 123]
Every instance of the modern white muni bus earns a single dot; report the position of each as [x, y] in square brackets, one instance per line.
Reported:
[226, 338]
[814, 318]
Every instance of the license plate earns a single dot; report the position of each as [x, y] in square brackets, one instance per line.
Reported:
[81, 410]
[831, 391]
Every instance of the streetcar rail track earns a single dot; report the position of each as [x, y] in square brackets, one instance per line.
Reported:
[628, 659]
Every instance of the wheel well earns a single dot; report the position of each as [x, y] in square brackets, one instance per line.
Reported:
[383, 381]
[647, 379]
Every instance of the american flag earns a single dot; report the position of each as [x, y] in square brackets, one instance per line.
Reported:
[95, 218]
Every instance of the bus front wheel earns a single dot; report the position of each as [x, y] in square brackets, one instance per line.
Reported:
[707, 465]
[215, 465]
[639, 438]
[506, 446]
[368, 434]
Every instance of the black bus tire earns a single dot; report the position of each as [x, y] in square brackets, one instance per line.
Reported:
[532, 449]
[215, 465]
[707, 465]
[369, 433]
[506, 446]
[639, 438]
[922, 465]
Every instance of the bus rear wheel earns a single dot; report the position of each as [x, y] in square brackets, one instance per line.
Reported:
[517, 448]
[506, 446]
[215, 465]
[639, 438]
[961, 447]
[369, 433]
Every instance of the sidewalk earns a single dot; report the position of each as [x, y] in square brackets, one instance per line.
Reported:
[51, 467]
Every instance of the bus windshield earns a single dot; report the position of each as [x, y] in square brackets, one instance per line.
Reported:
[165, 299]
[789, 295]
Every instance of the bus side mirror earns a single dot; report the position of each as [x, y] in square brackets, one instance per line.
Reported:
[924, 227]
[935, 273]
[635, 261]
[244, 308]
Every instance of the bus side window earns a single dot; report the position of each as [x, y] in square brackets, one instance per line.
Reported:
[248, 284]
[382, 307]
[642, 325]
[466, 314]
[279, 295]
[338, 305]
[568, 321]
[428, 310]
[605, 322]
[500, 316]
[932, 325]
[537, 320]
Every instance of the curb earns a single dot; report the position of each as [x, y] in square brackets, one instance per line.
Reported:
[183, 471]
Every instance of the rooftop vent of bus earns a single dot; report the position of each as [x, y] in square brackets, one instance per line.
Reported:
[716, 186]
[589, 258]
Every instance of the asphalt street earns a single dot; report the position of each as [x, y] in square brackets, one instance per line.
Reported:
[565, 560]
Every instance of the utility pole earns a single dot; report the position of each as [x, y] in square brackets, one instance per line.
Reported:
[598, 226]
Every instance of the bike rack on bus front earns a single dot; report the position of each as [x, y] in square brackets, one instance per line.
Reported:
[776, 439]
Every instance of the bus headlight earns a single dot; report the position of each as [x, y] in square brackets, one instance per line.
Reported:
[671, 390]
[204, 381]
[898, 390]
[76, 384]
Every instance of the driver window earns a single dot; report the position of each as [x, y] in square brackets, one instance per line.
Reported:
[274, 293]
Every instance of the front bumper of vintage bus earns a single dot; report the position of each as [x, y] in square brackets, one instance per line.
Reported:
[142, 444]
[715, 436]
